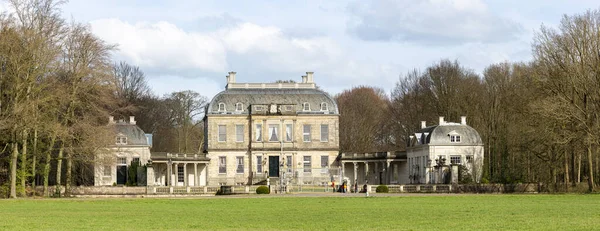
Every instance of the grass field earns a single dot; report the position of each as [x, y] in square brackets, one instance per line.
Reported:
[451, 212]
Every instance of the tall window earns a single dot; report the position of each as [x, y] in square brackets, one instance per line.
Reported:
[258, 132]
[273, 132]
[221, 107]
[324, 132]
[307, 164]
[455, 160]
[324, 163]
[455, 139]
[469, 159]
[259, 164]
[288, 163]
[107, 170]
[180, 176]
[222, 165]
[240, 164]
[239, 107]
[306, 133]
[239, 133]
[306, 107]
[288, 132]
[136, 160]
[222, 133]
[323, 106]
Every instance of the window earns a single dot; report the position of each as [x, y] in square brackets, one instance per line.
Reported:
[222, 133]
[288, 163]
[239, 133]
[455, 160]
[180, 176]
[273, 130]
[221, 107]
[239, 107]
[288, 132]
[107, 170]
[306, 133]
[324, 163]
[121, 140]
[222, 165]
[240, 164]
[258, 132]
[288, 107]
[136, 160]
[469, 159]
[122, 161]
[323, 106]
[454, 139]
[258, 108]
[259, 164]
[306, 107]
[307, 165]
[324, 132]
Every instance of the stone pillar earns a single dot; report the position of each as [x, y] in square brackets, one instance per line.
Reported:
[366, 172]
[388, 173]
[176, 178]
[149, 175]
[168, 176]
[185, 175]
[355, 173]
[196, 175]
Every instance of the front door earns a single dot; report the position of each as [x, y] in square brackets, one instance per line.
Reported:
[273, 166]
[121, 174]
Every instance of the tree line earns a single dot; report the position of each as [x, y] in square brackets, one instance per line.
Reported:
[58, 85]
[539, 120]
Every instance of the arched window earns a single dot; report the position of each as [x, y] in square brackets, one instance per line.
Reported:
[324, 106]
[239, 107]
[221, 107]
[306, 107]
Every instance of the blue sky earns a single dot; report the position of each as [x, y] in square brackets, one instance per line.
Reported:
[190, 44]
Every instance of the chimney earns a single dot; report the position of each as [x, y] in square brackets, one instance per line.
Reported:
[231, 77]
[463, 120]
[309, 77]
[423, 124]
[132, 119]
[304, 79]
[111, 120]
[441, 120]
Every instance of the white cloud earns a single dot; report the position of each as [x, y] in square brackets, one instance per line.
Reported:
[437, 22]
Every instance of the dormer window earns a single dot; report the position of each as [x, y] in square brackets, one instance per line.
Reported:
[306, 107]
[258, 108]
[288, 107]
[221, 107]
[239, 107]
[323, 106]
[121, 140]
[454, 138]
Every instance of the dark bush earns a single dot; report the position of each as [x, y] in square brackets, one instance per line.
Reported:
[382, 189]
[262, 190]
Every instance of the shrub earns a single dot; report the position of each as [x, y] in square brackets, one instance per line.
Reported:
[262, 190]
[382, 189]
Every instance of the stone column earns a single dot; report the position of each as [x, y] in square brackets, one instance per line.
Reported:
[196, 175]
[176, 178]
[387, 172]
[355, 173]
[366, 172]
[185, 175]
[168, 176]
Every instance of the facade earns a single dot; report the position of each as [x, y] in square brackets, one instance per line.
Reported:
[131, 145]
[375, 168]
[435, 152]
[255, 131]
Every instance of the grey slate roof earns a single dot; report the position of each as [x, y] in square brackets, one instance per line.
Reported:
[439, 134]
[135, 135]
[297, 97]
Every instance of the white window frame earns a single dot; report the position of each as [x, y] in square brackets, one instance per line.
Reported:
[274, 128]
[258, 108]
[289, 132]
[305, 106]
[324, 108]
[288, 107]
[288, 163]
[239, 107]
[180, 174]
[325, 137]
[469, 159]
[239, 133]
[121, 160]
[453, 159]
[306, 164]
[121, 140]
[324, 164]
[222, 165]
[258, 134]
[223, 134]
[239, 161]
[107, 170]
[222, 107]
[259, 165]
[454, 138]
[306, 134]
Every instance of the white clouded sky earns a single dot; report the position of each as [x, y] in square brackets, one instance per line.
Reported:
[190, 44]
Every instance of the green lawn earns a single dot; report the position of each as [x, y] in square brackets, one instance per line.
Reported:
[454, 212]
